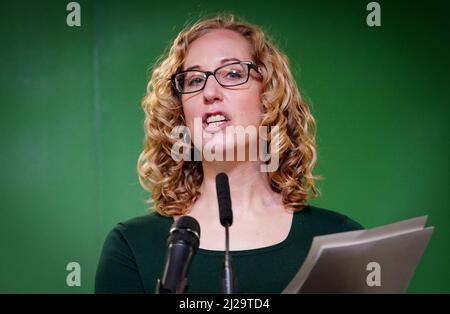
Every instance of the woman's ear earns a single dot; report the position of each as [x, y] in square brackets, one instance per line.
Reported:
[261, 70]
[263, 109]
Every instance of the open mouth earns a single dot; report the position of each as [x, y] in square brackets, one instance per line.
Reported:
[214, 120]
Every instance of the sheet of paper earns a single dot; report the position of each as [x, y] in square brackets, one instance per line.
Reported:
[338, 263]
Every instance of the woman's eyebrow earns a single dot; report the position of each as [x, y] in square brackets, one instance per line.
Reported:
[195, 67]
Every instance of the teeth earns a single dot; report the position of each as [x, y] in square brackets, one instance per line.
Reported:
[214, 124]
[215, 118]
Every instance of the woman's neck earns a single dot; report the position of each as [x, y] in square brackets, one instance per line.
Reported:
[249, 188]
[259, 217]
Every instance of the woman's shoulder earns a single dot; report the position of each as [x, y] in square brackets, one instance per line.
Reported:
[327, 220]
[131, 251]
[149, 224]
[130, 237]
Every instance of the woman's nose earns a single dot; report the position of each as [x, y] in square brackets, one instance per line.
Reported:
[212, 91]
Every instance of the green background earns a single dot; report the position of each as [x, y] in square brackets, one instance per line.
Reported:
[71, 122]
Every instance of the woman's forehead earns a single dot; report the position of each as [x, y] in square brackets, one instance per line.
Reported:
[211, 48]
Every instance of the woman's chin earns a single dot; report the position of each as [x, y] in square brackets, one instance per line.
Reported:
[223, 150]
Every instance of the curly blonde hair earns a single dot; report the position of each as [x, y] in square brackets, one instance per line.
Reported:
[174, 185]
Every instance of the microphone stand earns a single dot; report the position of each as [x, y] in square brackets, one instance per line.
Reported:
[228, 282]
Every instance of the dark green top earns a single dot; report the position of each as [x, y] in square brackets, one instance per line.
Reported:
[134, 255]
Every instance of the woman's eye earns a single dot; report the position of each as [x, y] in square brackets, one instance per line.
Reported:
[195, 81]
[234, 75]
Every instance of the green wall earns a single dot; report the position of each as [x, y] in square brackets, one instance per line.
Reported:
[71, 123]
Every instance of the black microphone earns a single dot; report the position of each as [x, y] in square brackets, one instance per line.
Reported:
[229, 282]
[224, 199]
[183, 243]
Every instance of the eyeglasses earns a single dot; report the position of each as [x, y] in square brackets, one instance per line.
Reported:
[232, 74]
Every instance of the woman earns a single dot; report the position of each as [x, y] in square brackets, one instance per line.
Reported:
[223, 73]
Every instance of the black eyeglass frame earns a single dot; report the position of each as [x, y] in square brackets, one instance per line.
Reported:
[250, 65]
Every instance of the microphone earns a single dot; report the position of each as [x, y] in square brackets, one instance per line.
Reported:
[229, 282]
[224, 199]
[183, 243]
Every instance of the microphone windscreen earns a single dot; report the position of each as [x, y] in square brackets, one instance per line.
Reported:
[224, 199]
[187, 222]
[185, 229]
